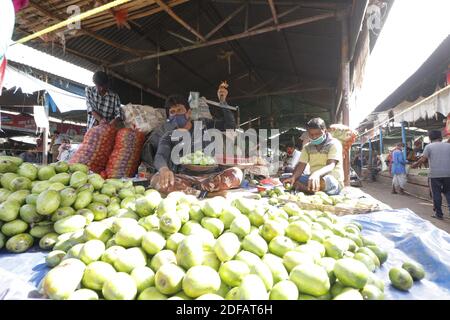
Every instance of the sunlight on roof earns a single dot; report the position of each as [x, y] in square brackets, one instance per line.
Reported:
[40, 60]
[413, 30]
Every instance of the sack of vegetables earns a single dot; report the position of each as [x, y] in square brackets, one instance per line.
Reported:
[124, 159]
[97, 145]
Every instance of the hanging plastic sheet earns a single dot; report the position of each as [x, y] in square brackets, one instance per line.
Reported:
[401, 232]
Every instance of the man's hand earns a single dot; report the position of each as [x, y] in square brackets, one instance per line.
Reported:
[114, 122]
[314, 183]
[166, 177]
[290, 180]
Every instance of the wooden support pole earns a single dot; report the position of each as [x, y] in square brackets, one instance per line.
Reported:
[227, 39]
[224, 22]
[274, 13]
[171, 13]
[345, 78]
[268, 21]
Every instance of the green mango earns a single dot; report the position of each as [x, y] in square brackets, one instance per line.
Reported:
[96, 274]
[78, 167]
[14, 227]
[63, 178]
[4, 194]
[54, 258]
[48, 241]
[108, 190]
[19, 243]
[40, 187]
[29, 215]
[78, 179]
[99, 210]
[9, 210]
[310, 279]
[84, 198]
[97, 231]
[61, 167]
[48, 202]
[120, 286]
[7, 166]
[70, 224]
[130, 259]
[6, 179]
[46, 172]
[71, 272]
[41, 229]
[101, 198]
[96, 181]
[31, 199]
[351, 273]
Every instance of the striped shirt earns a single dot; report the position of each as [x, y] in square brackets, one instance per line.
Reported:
[107, 106]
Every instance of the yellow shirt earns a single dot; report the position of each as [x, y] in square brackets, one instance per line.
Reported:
[317, 158]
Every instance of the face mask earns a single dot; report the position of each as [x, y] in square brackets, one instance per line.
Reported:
[179, 119]
[319, 140]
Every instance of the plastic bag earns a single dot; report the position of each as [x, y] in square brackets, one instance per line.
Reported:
[97, 145]
[125, 157]
[143, 118]
[344, 134]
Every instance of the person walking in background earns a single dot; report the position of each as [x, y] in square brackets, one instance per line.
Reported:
[398, 169]
[438, 156]
[357, 164]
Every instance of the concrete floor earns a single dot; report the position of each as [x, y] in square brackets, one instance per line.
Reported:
[424, 209]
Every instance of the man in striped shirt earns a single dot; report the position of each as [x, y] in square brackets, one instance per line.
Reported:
[103, 105]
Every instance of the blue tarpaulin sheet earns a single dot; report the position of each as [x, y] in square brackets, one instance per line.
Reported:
[406, 237]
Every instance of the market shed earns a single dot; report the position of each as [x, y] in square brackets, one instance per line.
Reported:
[285, 61]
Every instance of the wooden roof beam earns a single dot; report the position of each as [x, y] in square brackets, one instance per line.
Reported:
[171, 13]
[225, 21]
[90, 33]
[229, 38]
[274, 13]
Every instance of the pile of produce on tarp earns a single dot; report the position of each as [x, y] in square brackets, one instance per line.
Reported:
[111, 240]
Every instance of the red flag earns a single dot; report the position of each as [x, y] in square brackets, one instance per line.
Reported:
[2, 71]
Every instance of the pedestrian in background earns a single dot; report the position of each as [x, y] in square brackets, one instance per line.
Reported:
[399, 178]
[437, 154]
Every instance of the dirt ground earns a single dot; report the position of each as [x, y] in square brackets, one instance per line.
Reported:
[422, 208]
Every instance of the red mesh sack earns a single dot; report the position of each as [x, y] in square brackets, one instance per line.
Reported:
[97, 145]
[125, 158]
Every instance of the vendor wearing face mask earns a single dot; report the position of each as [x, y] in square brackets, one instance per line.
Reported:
[324, 155]
[172, 177]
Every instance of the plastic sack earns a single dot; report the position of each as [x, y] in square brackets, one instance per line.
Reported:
[97, 145]
[125, 157]
[143, 118]
[344, 134]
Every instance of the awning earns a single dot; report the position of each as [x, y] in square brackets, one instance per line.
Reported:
[421, 108]
[64, 100]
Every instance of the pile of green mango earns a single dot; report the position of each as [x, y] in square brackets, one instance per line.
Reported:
[182, 248]
[38, 204]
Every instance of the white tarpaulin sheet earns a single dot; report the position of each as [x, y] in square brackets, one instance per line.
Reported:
[427, 109]
[64, 100]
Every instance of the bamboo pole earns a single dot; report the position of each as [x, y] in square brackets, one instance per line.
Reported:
[227, 39]
[79, 17]
[171, 13]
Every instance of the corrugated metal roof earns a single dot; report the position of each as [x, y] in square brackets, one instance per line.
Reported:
[315, 51]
